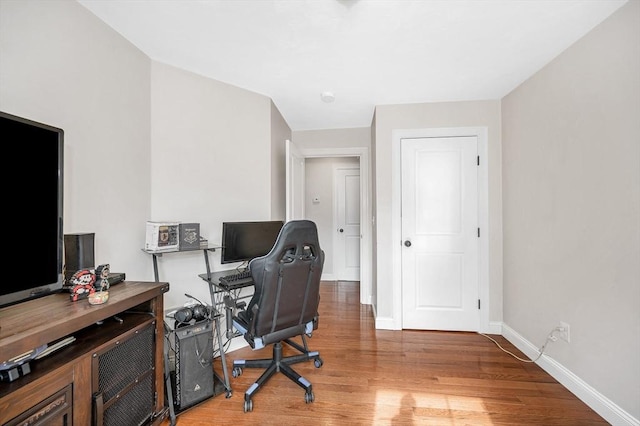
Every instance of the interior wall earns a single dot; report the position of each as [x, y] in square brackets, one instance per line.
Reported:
[374, 209]
[62, 66]
[210, 141]
[571, 164]
[280, 132]
[319, 185]
[423, 116]
[319, 180]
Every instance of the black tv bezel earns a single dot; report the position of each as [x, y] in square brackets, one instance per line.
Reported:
[225, 256]
[29, 287]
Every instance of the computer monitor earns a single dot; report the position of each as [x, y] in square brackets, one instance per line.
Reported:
[243, 241]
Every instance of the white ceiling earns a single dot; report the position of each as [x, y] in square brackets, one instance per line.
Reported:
[367, 52]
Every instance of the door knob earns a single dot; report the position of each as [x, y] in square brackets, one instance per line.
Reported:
[407, 243]
[341, 230]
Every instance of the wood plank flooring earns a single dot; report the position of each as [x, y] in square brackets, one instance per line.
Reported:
[383, 377]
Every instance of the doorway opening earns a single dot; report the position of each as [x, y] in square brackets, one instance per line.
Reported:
[296, 196]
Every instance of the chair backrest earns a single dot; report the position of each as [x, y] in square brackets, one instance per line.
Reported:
[287, 283]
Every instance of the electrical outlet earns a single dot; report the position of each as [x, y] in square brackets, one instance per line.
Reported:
[565, 333]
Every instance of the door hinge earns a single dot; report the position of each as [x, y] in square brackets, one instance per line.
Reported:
[478, 160]
[478, 232]
[478, 303]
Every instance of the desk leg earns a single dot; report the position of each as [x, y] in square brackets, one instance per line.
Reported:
[167, 379]
[206, 262]
[223, 358]
[155, 268]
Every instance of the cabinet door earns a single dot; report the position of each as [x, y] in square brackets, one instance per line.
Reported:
[123, 379]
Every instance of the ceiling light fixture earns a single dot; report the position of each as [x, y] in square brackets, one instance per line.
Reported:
[327, 97]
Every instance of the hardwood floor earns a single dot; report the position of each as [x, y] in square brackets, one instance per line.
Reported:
[382, 377]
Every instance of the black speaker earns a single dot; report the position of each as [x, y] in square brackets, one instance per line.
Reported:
[78, 253]
[193, 376]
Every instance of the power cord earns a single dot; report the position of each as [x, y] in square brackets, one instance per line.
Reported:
[550, 337]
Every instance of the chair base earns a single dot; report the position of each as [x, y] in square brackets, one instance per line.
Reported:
[278, 364]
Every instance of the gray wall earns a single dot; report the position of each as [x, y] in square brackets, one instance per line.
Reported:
[319, 183]
[319, 178]
[209, 144]
[143, 140]
[62, 66]
[421, 116]
[571, 191]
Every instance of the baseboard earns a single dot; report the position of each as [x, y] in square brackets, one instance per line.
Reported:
[494, 328]
[385, 323]
[598, 402]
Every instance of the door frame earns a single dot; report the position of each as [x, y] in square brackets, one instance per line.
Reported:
[481, 133]
[366, 249]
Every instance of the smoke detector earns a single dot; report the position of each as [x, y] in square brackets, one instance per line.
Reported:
[327, 97]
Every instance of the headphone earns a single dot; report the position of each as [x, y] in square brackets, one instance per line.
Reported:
[191, 314]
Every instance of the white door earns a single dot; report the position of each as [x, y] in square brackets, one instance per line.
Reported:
[294, 182]
[346, 241]
[440, 233]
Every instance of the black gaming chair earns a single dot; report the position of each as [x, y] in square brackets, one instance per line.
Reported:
[284, 305]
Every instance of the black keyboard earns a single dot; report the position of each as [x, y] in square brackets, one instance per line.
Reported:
[237, 280]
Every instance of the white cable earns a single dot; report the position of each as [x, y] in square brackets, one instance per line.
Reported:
[550, 336]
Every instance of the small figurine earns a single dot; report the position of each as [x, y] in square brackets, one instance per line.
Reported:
[102, 274]
[82, 284]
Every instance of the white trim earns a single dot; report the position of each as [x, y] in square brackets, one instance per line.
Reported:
[365, 210]
[481, 133]
[598, 402]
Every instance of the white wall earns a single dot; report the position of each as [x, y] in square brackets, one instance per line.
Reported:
[62, 66]
[571, 165]
[211, 162]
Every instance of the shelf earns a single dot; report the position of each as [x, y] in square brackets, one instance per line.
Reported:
[87, 340]
[210, 247]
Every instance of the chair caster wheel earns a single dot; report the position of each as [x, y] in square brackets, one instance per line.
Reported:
[318, 362]
[248, 406]
[228, 394]
[309, 397]
[236, 372]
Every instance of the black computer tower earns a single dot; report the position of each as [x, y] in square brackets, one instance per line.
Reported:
[193, 378]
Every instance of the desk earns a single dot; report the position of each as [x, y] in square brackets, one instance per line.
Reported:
[158, 253]
[221, 295]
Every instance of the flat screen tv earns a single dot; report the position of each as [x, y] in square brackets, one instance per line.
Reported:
[242, 241]
[33, 212]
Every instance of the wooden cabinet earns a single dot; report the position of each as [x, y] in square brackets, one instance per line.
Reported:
[61, 387]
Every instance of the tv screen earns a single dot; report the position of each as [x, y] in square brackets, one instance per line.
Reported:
[33, 189]
[242, 241]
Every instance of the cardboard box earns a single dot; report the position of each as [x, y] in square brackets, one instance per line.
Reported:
[189, 236]
[162, 236]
